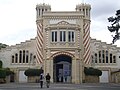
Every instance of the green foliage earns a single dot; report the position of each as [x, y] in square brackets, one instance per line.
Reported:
[2, 73]
[5, 72]
[8, 72]
[32, 72]
[92, 71]
[1, 64]
[3, 45]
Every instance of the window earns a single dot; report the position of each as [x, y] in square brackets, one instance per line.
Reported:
[62, 36]
[95, 57]
[12, 59]
[20, 56]
[39, 12]
[119, 56]
[31, 57]
[84, 11]
[16, 58]
[23, 56]
[103, 56]
[71, 36]
[114, 59]
[106, 56]
[110, 57]
[54, 36]
[27, 53]
[99, 56]
[87, 12]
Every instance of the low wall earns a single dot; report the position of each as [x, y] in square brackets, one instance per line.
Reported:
[91, 79]
[33, 79]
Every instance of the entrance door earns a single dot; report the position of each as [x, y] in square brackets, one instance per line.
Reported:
[59, 72]
[22, 77]
[62, 69]
[104, 78]
[66, 72]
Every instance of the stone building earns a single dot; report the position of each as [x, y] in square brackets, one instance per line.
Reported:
[63, 48]
[107, 58]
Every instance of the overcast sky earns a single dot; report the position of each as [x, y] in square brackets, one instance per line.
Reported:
[17, 18]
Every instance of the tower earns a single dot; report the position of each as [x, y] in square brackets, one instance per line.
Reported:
[85, 10]
[40, 9]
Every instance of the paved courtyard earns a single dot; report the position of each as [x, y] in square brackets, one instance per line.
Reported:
[35, 86]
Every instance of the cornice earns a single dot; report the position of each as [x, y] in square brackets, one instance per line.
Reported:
[62, 15]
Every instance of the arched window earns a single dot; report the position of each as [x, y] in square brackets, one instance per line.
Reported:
[103, 56]
[27, 55]
[12, 58]
[31, 57]
[110, 57]
[86, 12]
[20, 56]
[106, 56]
[114, 59]
[99, 56]
[16, 58]
[23, 56]
[95, 57]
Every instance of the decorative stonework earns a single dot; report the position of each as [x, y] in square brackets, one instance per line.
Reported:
[62, 53]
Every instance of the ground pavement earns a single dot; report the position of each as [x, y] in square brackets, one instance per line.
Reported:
[60, 86]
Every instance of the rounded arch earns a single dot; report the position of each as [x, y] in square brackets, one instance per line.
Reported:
[62, 53]
[62, 64]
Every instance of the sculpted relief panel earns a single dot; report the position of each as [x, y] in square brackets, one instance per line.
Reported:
[55, 21]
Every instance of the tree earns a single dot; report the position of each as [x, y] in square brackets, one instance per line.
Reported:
[8, 71]
[3, 45]
[1, 64]
[115, 26]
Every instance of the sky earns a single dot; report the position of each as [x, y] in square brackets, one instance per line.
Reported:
[17, 18]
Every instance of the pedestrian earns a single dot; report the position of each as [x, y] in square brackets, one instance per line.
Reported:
[41, 80]
[47, 80]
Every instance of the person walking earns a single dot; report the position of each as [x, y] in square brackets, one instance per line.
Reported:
[41, 80]
[47, 80]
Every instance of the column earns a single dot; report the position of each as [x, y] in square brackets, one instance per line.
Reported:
[73, 70]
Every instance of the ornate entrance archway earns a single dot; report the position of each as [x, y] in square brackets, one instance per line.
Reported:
[62, 68]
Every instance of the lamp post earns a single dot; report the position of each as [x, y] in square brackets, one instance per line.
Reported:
[115, 26]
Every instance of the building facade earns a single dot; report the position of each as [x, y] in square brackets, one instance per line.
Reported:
[63, 48]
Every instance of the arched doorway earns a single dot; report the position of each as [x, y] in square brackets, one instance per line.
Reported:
[62, 68]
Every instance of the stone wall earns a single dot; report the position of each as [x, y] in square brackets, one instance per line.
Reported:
[116, 77]
[33, 79]
[91, 79]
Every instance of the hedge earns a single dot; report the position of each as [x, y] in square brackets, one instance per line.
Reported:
[32, 72]
[2, 73]
[92, 71]
[1, 64]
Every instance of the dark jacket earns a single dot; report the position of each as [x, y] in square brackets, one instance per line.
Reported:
[48, 77]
